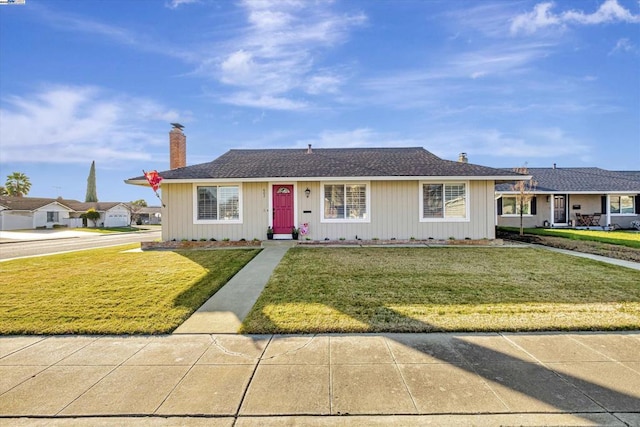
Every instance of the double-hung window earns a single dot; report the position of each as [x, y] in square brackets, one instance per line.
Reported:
[345, 202]
[623, 205]
[217, 203]
[444, 201]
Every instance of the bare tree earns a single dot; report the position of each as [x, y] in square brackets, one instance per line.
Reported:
[524, 189]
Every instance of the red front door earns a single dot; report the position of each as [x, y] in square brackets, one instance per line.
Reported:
[282, 209]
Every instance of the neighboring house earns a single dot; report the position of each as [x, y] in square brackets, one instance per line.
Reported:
[574, 197]
[346, 193]
[150, 215]
[18, 213]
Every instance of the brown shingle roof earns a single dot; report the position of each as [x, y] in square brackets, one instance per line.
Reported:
[330, 162]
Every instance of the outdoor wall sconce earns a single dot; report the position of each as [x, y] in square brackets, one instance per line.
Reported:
[307, 192]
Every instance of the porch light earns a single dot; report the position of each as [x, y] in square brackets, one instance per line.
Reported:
[307, 192]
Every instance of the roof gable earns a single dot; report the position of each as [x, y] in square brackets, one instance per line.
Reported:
[330, 162]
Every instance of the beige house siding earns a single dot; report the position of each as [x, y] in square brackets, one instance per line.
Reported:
[394, 213]
[177, 215]
[589, 204]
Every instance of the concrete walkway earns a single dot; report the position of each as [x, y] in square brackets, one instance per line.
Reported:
[318, 380]
[224, 312]
[614, 261]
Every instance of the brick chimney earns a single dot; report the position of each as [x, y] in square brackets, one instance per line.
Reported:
[462, 158]
[177, 147]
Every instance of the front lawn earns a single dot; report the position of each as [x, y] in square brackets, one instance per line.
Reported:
[444, 289]
[108, 230]
[109, 291]
[624, 238]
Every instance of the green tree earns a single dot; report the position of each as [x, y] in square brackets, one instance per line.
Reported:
[92, 193]
[93, 215]
[136, 206]
[17, 184]
[3, 191]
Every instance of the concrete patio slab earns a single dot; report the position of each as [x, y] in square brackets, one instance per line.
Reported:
[235, 350]
[369, 389]
[359, 349]
[35, 396]
[612, 385]
[443, 388]
[209, 390]
[288, 389]
[128, 390]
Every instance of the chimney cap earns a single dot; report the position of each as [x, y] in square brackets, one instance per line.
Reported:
[177, 126]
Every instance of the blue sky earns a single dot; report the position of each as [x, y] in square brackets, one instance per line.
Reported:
[508, 82]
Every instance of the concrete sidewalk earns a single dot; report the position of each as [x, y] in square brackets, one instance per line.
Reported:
[224, 312]
[382, 379]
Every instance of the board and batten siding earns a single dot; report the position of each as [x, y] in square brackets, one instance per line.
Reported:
[394, 213]
[177, 215]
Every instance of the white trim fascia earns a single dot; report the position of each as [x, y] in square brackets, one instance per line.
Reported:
[336, 178]
[586, 193]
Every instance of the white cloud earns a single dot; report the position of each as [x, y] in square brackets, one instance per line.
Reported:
[360, 137]
[278, 51]
[254, 100]
[74, 124]
[623, 45]
[542, 16]
[527, 144]
[174, 4]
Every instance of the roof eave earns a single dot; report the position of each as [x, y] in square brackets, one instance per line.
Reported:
[497, 179]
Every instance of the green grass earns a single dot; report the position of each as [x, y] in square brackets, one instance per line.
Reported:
[443, 289]
[108, 291]
[624, 238]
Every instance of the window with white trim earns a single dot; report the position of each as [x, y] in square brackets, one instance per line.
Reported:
[218, 203]
[623, 205]
[345, 202]
[511, 206]
[53, 216]
[444, 201]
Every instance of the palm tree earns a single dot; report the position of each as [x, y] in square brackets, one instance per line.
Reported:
[17, 184]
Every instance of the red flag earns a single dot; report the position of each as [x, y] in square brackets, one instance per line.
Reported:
[154, 179]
